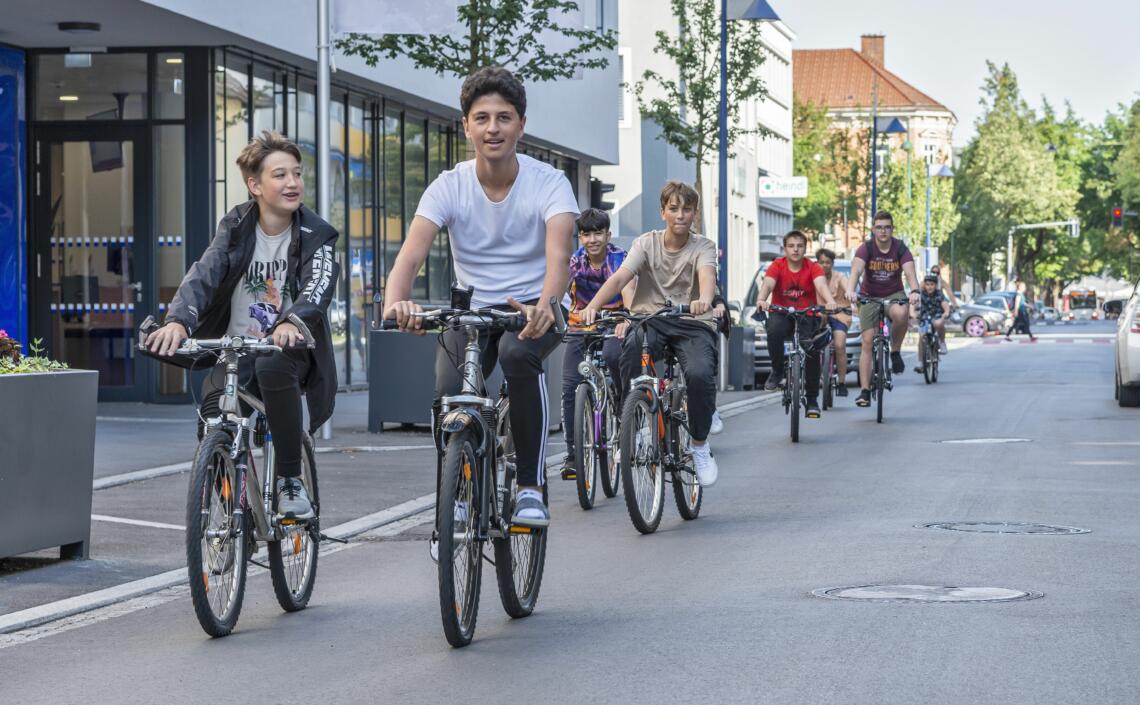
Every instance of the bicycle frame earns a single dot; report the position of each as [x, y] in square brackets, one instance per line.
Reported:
[661, 390]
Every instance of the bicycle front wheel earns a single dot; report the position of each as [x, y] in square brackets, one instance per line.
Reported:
[826, 389]
[293, 559]
[882, 360]
[460, 552]
[215, 544]
[641, 462]
[928, 363]
[586, 460]
[794, 372]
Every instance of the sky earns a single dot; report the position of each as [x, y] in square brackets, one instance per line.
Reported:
[1083, 52]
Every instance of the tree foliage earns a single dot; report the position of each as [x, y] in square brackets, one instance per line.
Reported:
[684, 102]
[903, 194]
[509, 33]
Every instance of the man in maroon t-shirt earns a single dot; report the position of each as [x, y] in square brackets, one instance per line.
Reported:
[794, 282]
[881, 261]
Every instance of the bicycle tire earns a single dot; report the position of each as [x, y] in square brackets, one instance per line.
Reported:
[641, 469]
[793, 382]
[882, 360]
[826, 390]
[293, 581]
[687, 491]
[458, 500]
[927, 360]
[611, 471]
[518, 581]
[214, 485]
[937, 361]
[586, 465]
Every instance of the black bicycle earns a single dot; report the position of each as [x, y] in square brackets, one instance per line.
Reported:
[476, 484]
[596, 417]
[655, 438]
[795, 363]
[881, 382]
[929, 349]
[229, 506]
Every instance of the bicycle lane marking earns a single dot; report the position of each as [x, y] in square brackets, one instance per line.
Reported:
[76, 609]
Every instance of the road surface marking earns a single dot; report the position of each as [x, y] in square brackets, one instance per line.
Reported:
[136, 522]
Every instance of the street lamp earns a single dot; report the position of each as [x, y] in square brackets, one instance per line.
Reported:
[931, 173]
[756, 10]
[888, 126]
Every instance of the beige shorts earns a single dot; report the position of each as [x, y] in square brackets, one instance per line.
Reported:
[869, 313]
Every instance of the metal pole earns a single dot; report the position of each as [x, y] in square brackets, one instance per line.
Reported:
[926, 257]
[1009, 258]
[722, 149]
[323, 181]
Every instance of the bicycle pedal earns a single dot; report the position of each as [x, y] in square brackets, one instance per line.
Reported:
[569, 475]
[326, 537]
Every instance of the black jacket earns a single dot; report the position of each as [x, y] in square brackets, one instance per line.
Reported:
[202, 303]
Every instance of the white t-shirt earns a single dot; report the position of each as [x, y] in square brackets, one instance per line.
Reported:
[263, 292]
[499, 248]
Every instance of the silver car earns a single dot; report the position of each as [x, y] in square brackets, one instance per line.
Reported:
[975, 320]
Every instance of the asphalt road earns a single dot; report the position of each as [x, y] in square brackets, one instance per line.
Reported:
[720, 610]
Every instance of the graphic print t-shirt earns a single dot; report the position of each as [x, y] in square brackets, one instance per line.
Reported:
[585, 281]
[930, 305]
[883, 275]
[262, 294]
[793, 289]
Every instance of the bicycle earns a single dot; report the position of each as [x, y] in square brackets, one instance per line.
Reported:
[929, 349]
[229, 507]
[881, 353]
[476, 484]
[795, 389]
[595, 418]
[654, 437]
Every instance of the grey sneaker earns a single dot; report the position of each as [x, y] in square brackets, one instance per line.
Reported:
[530, 510]
[773, 382]
[942, 349]
[292, 499]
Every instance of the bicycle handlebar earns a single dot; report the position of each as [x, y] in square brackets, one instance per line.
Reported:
[888, 302]
[486, 318]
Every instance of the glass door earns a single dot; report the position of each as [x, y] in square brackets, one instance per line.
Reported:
[92, 248]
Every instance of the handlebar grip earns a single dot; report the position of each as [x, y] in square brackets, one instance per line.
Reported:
[559, 318]
[515, 324]
[682, 308]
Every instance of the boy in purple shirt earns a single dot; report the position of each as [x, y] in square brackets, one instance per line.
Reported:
[593, 263]
[881, 262]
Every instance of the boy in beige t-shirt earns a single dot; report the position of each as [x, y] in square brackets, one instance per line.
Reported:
[677, 266]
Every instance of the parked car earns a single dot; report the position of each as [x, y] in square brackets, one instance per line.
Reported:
[975, 319]
[1128, 352]
[998, 299]
[1049, 314]
[762, 362]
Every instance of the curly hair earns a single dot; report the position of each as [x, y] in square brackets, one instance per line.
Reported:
[493, 79]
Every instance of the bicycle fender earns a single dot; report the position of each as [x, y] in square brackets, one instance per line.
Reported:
[456, 420]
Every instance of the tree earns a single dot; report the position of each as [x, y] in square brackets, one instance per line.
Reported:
[685, 104]
[1126, 168]
[1006, 178]
[509, 33]
[905, 198]
[813, 157]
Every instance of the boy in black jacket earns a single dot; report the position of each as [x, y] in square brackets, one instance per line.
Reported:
[270, 265]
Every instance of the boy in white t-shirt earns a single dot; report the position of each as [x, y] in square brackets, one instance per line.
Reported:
[511, 224]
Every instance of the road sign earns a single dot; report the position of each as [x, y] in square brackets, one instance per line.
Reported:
[783, 187]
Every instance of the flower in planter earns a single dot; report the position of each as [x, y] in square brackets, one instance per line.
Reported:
[9, 347]
[13, 363]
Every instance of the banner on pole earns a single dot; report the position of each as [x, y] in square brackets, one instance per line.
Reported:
[397, 17]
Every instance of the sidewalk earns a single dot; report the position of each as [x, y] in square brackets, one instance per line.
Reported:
[143, 453]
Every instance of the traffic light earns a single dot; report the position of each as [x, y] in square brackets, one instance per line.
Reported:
[598, 190]
[1118, 217]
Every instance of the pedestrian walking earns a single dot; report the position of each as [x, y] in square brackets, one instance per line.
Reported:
[1021, 314]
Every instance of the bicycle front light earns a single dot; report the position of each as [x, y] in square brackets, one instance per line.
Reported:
[584, 369]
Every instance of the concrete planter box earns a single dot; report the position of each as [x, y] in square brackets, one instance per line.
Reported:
[47, 461]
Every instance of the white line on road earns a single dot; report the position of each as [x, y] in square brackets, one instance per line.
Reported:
[1106, 443]
[1113, 463]
[140, 419]
[136, 522]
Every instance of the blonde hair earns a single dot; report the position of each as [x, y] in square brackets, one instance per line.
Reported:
[253, 155]
[679, 189]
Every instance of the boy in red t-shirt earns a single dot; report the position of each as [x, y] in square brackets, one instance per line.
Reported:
[795, 282]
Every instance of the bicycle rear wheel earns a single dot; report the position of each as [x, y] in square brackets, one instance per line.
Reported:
[460, 552]
[826, 386]
[520, 557]
[611, 471]
[293, 560]
[586, 462]
[641, 462]
[793, 381]
[687, 491]
[215, 545]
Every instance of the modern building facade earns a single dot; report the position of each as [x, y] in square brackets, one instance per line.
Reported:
[646, 161]
[848, 83]
[120, 121]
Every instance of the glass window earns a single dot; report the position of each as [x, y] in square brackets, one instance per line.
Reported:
[170, 212]
[268, 99]
[232, 127]
[415, 163]
[393, 188]
[360, 214]
[439, 260]
[169, 87]
[338, 200]
[307, 139]
[91, 86]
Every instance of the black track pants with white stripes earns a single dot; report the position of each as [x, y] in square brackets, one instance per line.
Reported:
[526, 385]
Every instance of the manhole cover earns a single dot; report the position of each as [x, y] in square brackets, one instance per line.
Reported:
[986, 441]
[925, 593]
[1005, 527]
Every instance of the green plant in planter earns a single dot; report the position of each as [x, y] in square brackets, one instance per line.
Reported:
[11, 361]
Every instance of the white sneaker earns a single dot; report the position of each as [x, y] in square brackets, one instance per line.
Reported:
[704, 464]
[717, 424]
